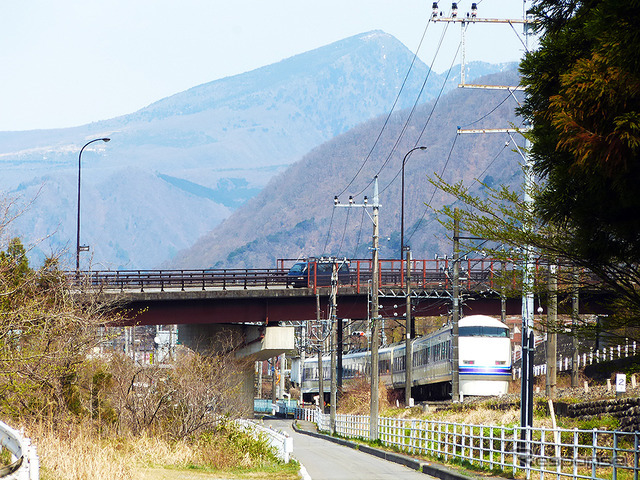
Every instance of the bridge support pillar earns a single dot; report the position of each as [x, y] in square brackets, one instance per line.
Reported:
[250, 343]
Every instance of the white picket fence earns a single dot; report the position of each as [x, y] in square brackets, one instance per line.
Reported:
[25, 463]
[563, 453]
[566, 363]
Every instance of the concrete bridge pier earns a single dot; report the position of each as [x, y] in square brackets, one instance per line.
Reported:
[248, 343]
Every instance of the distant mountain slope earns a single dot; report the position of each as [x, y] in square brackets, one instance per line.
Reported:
[209, 149]
[294, 214]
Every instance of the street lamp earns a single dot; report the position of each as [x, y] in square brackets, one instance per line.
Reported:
[78, 247]
[404, 160]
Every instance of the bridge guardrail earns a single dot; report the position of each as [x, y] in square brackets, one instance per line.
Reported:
[476, 274]
[25, 465]
[262, 405]
[479, 274]
[141, 279]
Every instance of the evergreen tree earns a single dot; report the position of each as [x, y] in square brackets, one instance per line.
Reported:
[583, 87]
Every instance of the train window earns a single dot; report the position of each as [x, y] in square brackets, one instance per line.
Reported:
[480, 331]
[420, 357]
[384, 366]
[399, 363]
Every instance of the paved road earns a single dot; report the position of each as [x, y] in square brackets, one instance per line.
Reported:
[325, 460]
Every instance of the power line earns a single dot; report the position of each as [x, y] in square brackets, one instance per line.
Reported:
[359, 235]
[415, 56]
[326, 242]
[488, 113]
[435, 104]
[344, 231]
[506, 144]
[413, 109]
[434, 190]
[439, 94]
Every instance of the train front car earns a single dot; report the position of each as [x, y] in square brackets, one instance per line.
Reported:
[485, 356]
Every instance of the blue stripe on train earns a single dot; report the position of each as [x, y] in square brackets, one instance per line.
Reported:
[477, 370]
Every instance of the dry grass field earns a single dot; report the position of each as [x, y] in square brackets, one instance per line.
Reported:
[76, 452]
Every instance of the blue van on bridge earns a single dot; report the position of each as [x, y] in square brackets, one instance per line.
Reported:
[317, 272]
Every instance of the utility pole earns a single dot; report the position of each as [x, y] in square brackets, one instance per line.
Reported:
[339, 354]
[552, 337]
[320, 351]
[528, 343]
[375, 337]
[526, 401]
[575, 314]
[274, 360]
[303, 351]
[334, 344]
[503, 296]
[455, 311]
[408, 364]
[375, 320]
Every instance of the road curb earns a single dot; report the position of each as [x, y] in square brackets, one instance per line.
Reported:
[438, 471]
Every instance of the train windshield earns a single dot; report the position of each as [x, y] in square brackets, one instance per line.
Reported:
[480, 331]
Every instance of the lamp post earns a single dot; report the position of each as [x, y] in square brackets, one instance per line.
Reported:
[404, 160]
[78, 248]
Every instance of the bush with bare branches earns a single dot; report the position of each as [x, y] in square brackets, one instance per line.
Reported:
[356, 397]
[178, 401]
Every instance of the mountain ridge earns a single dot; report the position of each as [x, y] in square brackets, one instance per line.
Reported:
[288, 222]
[226, 152]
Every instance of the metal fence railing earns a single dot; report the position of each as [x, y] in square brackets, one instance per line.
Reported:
[286, 407]
[25, 464]
[283, 407]
[563, 453]
[281, 442]
[262, 405]
[565, 363]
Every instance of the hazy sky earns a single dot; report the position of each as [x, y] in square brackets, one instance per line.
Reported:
[69, 62]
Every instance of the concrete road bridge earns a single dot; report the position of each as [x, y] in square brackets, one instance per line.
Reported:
[258, 305]
[271, 296]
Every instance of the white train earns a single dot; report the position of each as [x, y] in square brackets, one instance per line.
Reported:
[484, 362]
